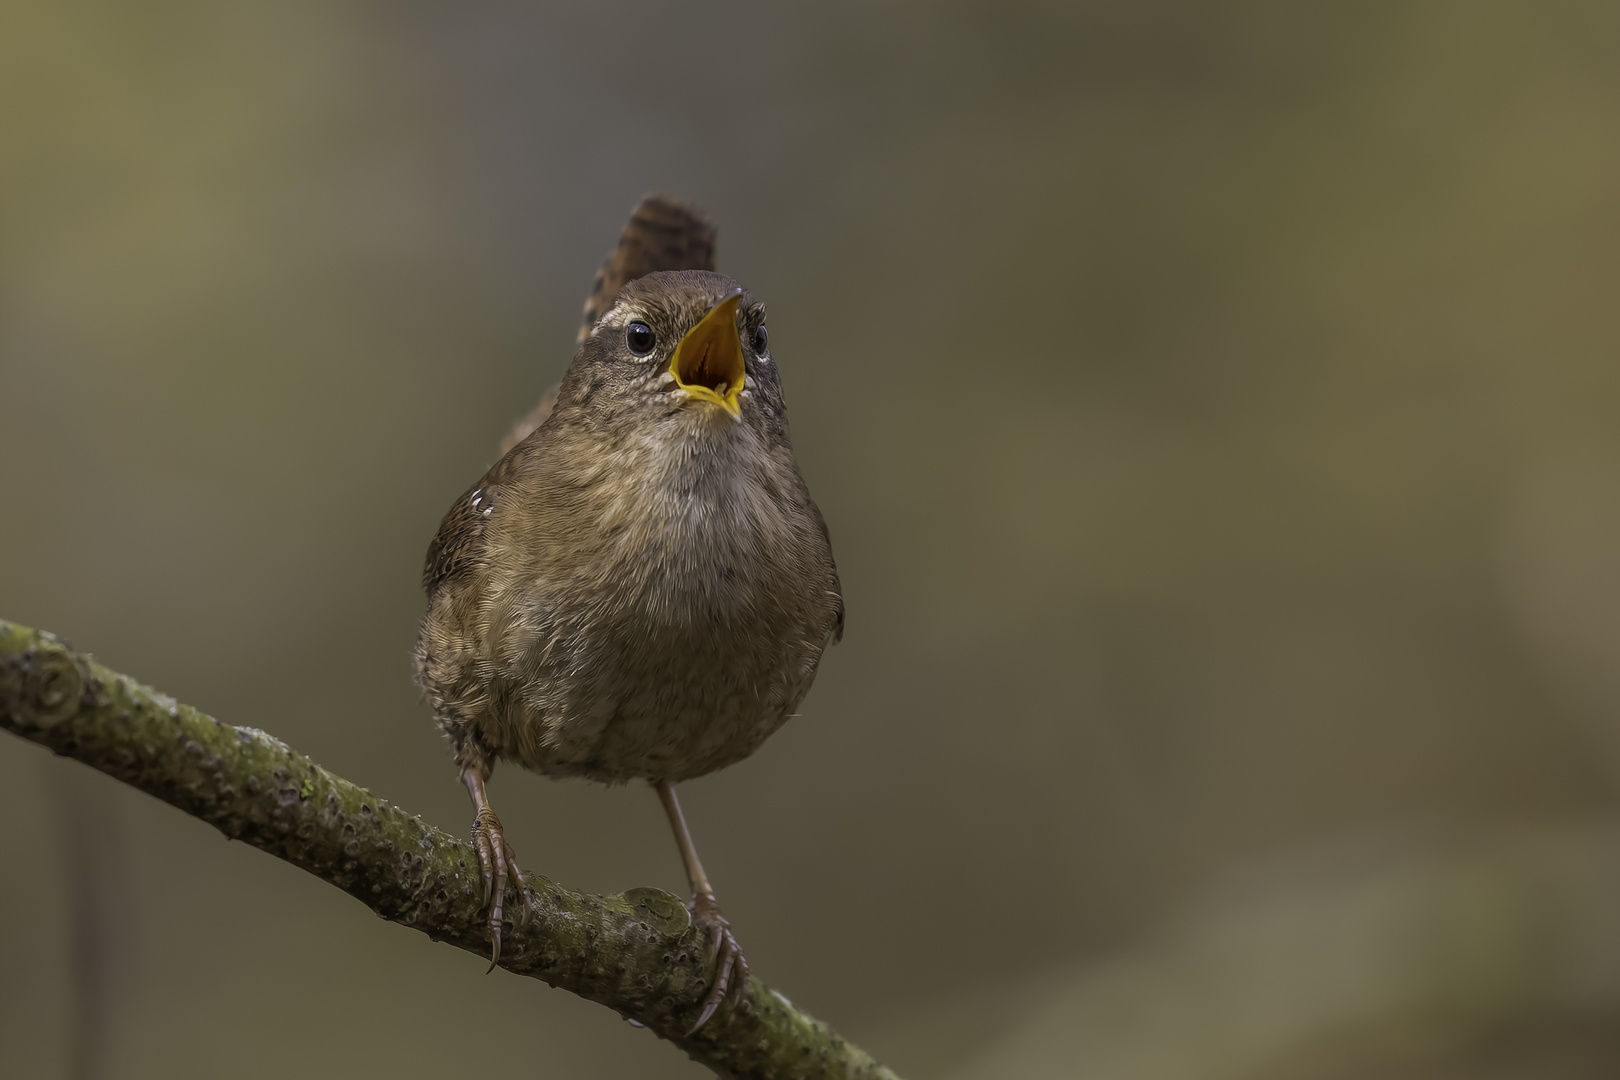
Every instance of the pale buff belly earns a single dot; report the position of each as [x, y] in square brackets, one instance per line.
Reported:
[640, 701]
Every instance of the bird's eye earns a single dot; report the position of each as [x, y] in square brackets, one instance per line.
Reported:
[639, 336]
[760, 339]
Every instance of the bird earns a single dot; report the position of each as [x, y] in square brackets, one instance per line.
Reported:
[641, 588]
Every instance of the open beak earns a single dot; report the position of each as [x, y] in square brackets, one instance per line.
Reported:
[708, 363]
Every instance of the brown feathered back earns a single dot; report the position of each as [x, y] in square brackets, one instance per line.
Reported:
[662, 234]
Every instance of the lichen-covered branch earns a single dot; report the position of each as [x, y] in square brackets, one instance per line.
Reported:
[636, 952]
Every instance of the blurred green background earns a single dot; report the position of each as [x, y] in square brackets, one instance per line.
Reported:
[1215, 408]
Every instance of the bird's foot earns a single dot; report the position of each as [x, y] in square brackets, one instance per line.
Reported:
[730, 968]
[499, 866]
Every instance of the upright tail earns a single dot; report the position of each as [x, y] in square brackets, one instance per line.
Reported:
[662, 234]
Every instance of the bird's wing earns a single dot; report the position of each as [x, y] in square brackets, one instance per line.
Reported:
[459, 543]
[662, 234]
[836, 587]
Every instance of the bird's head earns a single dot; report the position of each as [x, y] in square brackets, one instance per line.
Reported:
[685, 349]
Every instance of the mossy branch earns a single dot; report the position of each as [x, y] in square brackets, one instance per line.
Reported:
[637, 953]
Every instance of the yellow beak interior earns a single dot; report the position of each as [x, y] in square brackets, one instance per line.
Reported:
[708, 363]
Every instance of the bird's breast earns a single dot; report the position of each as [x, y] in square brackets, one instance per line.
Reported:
[671, 625]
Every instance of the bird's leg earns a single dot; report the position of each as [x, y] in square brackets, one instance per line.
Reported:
[731, 970]
[495, 858]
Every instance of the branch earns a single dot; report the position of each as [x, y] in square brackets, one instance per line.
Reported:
[637, 953]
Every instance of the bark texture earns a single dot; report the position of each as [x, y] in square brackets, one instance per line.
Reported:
[636, 952]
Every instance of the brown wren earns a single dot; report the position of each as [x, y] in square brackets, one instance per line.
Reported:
[641, 587]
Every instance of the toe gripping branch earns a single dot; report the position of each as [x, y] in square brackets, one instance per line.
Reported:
[496, 863]
[730, 966]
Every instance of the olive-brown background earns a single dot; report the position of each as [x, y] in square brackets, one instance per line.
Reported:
[1217, 414]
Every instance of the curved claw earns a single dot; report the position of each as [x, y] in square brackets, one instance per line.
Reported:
[498, 866]
[730, 967]
[520, 888]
